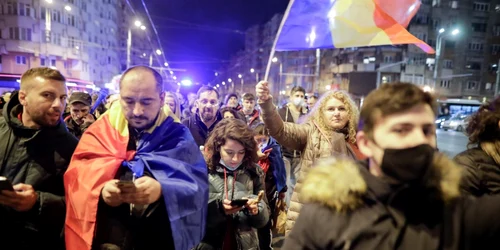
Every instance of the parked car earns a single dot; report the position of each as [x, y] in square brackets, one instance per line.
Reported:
[440, 119]
[457, 122]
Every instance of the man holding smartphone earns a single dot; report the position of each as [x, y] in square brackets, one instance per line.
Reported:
[137, 179]
[35, 149]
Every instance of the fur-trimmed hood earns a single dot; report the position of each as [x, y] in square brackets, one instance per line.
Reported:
[342, 185]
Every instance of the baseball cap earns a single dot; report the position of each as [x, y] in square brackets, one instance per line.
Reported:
[80, 97]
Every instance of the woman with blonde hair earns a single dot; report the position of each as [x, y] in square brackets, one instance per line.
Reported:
[330, 128]
[173, 102]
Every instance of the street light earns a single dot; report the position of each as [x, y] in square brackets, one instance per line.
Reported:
[223, 83]
[252, 70]
[166, 64]
[48, 1]
[229, 80]
[171, 72]
[275, 59]
[158, 52]
[67, 7]
[174, 77]
[137, 23]
[241, 81]
[442, 35]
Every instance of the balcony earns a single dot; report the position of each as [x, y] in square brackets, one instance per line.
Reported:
[415, 69]
[363, 67]
[343, 68]
[390, 69]
[446, 73]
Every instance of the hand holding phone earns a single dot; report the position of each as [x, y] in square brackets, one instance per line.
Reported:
[5, 184]
[239, 202]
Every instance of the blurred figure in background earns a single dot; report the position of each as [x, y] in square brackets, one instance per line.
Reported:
[173, 103]
[207, 116]
[231, 100]
[80, 117]
[249, 112]
[271, 162]
[311, 101]
[481, 163]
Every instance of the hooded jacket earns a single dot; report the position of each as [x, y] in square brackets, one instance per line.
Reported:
[38, 157]
[246, 181]
[349, 208]
[277, 172]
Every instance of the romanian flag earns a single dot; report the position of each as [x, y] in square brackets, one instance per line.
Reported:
[167, 151]
[309, 24]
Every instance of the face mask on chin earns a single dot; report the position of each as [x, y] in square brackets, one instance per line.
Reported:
[228, 167]
[409, 165]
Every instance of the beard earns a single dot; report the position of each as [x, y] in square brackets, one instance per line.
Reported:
[50, 118]
[207, 114]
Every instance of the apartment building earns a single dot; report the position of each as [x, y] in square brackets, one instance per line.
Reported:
[78, 37]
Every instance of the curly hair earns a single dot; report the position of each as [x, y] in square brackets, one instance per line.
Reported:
[233, 129]
[483, 125]
[317, 112]
[233, 111]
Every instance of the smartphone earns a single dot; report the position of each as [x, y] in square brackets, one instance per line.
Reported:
[125, 185]
[239, 202]
[5, 184]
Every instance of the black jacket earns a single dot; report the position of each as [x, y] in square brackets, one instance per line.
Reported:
[38, 158]
[198, 129]
[349, 208]
[481, 175]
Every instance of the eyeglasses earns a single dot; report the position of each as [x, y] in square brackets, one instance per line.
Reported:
[205, 102]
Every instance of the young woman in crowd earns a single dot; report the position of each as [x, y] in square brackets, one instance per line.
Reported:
[237, 203]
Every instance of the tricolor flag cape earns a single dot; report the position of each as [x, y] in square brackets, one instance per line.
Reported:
[309, 24]
[167, 151]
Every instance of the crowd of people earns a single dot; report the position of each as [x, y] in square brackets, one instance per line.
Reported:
[151, 169]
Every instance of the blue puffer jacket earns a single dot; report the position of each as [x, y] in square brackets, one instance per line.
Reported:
[277, 166]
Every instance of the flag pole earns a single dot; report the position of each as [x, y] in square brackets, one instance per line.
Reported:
[273, 49]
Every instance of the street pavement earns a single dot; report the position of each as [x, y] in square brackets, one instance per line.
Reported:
[451, 142]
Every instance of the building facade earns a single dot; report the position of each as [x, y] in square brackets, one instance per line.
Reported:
[78, 37]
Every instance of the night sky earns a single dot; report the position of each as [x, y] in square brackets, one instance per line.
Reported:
[201, 35]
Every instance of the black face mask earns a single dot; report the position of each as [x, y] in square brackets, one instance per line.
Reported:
[409, 165]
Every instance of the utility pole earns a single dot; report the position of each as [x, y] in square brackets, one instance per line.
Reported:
[318, 67]
[498, 79]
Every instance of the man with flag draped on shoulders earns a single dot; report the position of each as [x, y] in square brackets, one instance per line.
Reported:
[137, 179]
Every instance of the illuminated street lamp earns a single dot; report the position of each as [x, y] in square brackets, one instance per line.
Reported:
[67, 7]
[439, 49]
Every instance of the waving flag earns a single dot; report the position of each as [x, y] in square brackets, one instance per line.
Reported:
[312, 24]
[168, 152]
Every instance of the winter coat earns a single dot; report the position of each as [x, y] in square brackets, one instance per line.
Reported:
[481, 175]
[276, 174]
[249, 182]
[349, 208]
[307, 138]
[38, 157]
[198, 129]
[286, 116]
